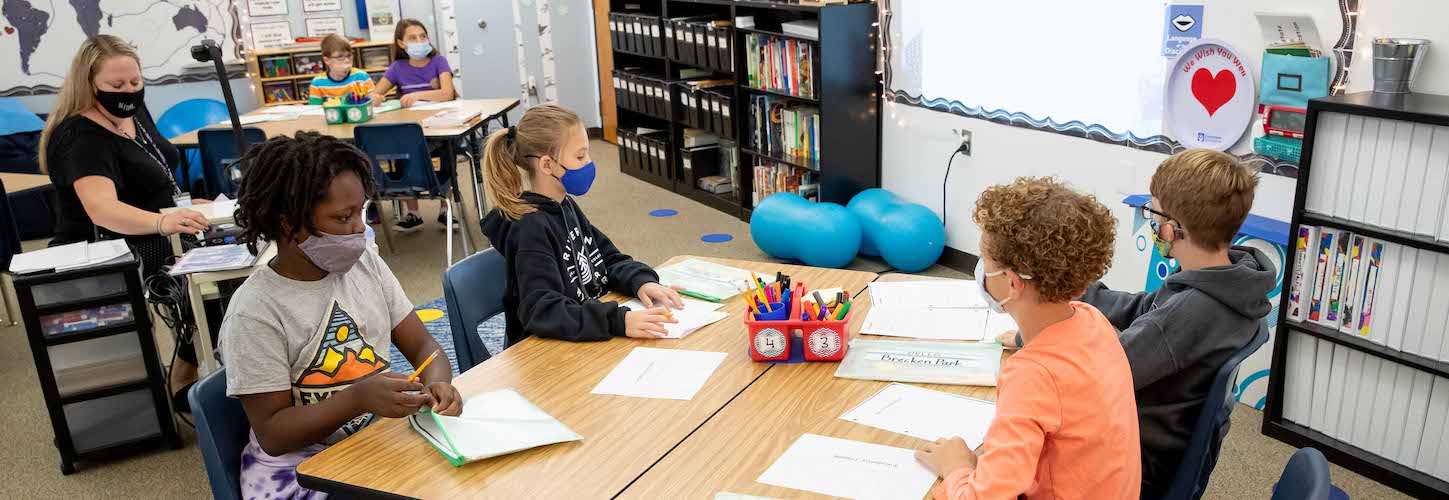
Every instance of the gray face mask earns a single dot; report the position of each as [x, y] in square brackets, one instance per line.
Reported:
[334, 253]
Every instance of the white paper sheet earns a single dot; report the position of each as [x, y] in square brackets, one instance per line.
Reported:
[927, 294]
[695, 315]
[850, 469]
[660, 373]
[67, 257]
[926, 414]
[430, 106]
[707, 278]
[936, 324]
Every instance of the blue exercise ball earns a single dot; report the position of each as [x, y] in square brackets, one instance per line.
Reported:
[909, 236]
[787, 226]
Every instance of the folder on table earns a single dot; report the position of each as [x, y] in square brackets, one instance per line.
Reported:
[492, 424]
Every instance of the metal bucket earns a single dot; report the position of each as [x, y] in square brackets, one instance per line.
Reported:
[1396, 62]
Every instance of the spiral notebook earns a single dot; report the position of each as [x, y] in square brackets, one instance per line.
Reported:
[492, 424]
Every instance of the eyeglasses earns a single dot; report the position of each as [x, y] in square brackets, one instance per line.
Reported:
[341, 57]
[1148, 213]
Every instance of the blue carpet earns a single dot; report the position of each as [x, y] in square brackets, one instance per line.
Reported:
[435, 317]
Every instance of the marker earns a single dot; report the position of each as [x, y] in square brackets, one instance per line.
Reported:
[839, 315]
[700, 296]
[425, 364]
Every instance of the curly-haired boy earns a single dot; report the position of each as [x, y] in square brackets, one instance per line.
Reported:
[1066, 421]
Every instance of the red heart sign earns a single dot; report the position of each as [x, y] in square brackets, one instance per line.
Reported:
[1213, 91]
[9, 30]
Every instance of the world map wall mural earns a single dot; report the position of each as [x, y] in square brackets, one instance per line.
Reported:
[39, 37]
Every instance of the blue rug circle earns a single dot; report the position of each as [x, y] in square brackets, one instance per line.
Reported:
[716, 238]
[664, 212]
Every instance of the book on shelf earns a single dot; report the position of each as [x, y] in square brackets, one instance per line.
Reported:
[784, 128]
[1372, 289]
[771, 178]
[1385, 173]
[781, 65]
[1300, 289]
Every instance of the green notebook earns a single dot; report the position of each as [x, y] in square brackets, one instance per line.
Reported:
[492, 424]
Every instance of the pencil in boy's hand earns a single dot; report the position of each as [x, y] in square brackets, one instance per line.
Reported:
[423, 366]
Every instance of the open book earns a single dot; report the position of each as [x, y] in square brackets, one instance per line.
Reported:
[492, 424]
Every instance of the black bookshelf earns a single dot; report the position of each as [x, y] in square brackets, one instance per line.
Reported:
[847, 95]
[1417, 108]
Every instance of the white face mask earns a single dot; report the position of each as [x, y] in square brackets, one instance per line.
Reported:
[991, 302]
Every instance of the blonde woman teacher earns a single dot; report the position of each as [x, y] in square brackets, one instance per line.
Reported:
[111, 168]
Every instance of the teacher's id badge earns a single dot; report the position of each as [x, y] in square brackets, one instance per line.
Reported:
[182, 199]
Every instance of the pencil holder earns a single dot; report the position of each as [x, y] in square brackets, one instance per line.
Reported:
[348, 113]
[825, 340]
[769, 333]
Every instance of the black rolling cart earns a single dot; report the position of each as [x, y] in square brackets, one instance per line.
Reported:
[96, 359]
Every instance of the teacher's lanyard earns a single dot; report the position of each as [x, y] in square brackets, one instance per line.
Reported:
[143, 139]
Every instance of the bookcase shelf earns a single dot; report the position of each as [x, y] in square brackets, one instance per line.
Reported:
[755, 90]
[1400, 477]
[1434, 366]
[847, 95]
[1419, 109]
[1418, 241]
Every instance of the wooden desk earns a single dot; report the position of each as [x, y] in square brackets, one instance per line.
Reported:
[202, 286]
[16, 183]
[488, 109]
[623, 436]
[734, 447]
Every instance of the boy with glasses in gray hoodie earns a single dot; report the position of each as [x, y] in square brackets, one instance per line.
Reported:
[1178, 336]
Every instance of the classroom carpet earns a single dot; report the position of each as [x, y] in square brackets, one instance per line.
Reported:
[619, 205]
[434, 316]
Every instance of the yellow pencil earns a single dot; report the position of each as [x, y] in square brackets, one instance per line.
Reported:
[425, 364]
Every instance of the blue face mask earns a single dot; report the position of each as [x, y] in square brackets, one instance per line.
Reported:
[420, 50]
[578, 181]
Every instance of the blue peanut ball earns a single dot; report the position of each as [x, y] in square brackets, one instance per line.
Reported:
[787, 226]
[909, 236]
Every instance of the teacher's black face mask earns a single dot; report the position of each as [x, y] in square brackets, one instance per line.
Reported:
[121, 104]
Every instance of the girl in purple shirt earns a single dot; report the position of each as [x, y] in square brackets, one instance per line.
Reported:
[419, 74]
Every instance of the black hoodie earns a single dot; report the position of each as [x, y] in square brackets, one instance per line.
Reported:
[1176, 338]
[549, 295]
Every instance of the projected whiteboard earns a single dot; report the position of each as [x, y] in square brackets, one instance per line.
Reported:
[1087, 69]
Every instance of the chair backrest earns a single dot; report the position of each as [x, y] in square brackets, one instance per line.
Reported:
[9, 231]
[405, 146]
[184, 117]
[221, 433]
[473, 289]
[218, 153]
[1212, 426]
[1306, 477]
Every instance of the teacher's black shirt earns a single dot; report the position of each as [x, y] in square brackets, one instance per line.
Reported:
[81, 148]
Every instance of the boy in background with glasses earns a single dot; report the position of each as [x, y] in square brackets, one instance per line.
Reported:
[1179, 336]
[340, 78]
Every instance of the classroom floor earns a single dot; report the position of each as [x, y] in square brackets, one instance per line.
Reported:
[618, 204]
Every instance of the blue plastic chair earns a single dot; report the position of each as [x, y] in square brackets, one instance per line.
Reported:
[1212, 426]
[184, 117]
[221, 432]
[405, 148]
[473, 290]
[218, 154]
[1304, 478]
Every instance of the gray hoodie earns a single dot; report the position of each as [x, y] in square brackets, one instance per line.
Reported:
[1176, 338]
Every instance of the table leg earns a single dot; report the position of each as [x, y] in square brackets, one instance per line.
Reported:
[469, 218]
[175, 244]
[202, 339]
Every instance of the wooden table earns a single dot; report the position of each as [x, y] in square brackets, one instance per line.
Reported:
[735, 446]
[488, 109]
[623, 436]
[16, 183]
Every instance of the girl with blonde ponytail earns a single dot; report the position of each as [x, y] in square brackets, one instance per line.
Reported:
[558, 263]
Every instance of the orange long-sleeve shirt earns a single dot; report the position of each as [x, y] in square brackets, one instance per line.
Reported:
[1066, 420]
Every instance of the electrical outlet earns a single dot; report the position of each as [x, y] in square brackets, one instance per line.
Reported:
[965, 148]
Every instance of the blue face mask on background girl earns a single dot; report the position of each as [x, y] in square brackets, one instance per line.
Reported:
[420, 50]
